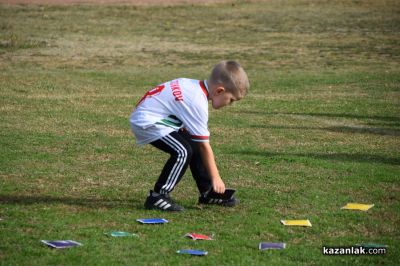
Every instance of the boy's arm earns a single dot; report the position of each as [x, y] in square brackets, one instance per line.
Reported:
[207, 155]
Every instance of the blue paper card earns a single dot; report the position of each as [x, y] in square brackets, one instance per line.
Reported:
[61, 243]
[152, 221]
[271, 245]
[192, 252]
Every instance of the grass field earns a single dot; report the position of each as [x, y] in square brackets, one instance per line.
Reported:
[319, 128]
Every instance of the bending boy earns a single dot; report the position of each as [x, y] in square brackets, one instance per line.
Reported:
[173, 117]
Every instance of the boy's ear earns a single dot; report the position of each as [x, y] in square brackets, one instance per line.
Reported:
[220, 90]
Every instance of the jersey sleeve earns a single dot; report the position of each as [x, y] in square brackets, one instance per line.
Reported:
[195, 119]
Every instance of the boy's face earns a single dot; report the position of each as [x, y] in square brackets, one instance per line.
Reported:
[221, 98]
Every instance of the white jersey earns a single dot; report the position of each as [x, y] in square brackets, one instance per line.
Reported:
[180, 103]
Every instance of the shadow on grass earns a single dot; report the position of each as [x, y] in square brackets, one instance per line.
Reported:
[84, 202]
[339, 129]
[344, 157]
[391, 119]
[386, 121]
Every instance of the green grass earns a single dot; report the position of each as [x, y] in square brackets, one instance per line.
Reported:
[319, 128]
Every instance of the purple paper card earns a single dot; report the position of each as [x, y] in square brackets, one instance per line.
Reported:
[152, 221]
[192, 252]
[271, 245]
[61, 243]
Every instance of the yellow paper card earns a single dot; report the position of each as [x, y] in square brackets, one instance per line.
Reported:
[358, 206]
[296, 222]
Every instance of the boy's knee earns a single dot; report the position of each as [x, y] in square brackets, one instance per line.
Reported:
[182, 152]
[189, 152]
[185, 153]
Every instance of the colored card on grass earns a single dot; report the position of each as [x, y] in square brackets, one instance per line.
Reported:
[296, 222]
[357, 206]
[61, 243]
[271, 245]
[152, 221]
[192, 252]
[198, 236]
[120, 234]
[225, 196]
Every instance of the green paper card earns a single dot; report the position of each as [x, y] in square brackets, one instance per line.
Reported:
[120, 234]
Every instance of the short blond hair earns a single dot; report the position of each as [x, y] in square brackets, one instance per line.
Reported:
[231, 76]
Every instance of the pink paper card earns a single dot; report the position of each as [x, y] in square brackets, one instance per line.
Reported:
[198, 236]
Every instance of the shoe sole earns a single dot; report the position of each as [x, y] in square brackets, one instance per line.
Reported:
[167, 210]
[152, 207]
[227, 204]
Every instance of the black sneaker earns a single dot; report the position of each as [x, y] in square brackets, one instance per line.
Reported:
[227, 199]
[161, 202]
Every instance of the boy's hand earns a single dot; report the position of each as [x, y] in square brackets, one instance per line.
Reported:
[207, 156]
[218, 186]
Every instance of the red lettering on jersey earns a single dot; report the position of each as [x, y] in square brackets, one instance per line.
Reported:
[157, 90]
[176, 90]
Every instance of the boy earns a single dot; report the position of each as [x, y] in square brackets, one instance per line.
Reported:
[173, 117]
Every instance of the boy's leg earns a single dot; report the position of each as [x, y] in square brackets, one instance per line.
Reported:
[197, 168]
[202, 177]
[173, 170]
[181, 153]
